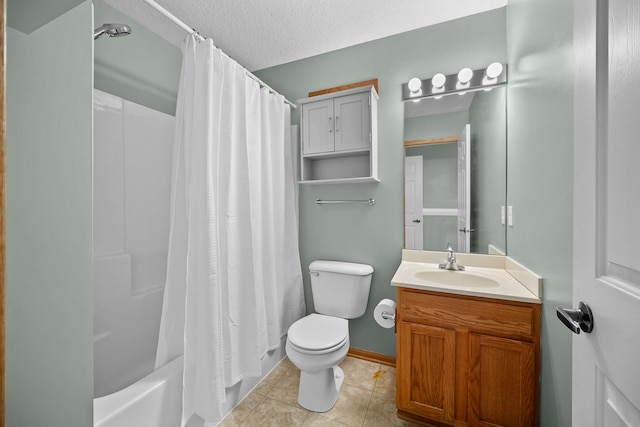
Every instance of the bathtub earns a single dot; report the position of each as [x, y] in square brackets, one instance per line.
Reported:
[153, 401]
[156, 400]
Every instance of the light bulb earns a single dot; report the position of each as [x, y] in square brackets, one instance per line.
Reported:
[438, 81]
[494, 70]
[414, 85]
[464, 76]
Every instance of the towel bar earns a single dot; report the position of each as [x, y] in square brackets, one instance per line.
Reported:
[369, 202]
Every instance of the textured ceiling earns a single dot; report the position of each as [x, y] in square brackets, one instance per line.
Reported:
[264, 33]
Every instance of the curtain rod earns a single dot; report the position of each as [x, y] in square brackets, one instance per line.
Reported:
[190, 30]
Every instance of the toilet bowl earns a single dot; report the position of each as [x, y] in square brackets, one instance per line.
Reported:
[317, 343]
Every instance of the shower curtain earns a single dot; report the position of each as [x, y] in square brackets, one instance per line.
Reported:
[234, 284]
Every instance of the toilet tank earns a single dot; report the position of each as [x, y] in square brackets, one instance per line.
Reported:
[340, 289]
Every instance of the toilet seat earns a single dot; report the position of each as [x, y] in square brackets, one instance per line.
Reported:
[318, 334]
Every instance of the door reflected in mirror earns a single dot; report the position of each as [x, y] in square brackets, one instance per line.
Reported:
[455, 172]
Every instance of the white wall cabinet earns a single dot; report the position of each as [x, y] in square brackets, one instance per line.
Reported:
[339, 137]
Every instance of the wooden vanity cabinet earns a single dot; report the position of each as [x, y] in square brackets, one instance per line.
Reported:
[467, 361]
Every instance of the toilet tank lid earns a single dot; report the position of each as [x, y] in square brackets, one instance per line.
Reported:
[341, 267]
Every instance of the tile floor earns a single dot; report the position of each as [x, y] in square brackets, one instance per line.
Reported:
[367, 399]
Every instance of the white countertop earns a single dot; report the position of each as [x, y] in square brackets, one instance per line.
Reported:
[496, 276]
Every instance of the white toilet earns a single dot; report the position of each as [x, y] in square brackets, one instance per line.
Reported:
[317, 343]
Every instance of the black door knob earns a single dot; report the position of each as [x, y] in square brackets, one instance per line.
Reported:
[577, 319]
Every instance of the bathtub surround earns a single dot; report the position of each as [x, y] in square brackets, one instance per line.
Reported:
[132, 148]
[233, 261]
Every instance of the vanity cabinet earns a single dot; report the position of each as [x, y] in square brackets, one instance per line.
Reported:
[339, 137]
[467, 361]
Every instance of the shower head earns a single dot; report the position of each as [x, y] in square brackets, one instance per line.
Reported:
[112, 30]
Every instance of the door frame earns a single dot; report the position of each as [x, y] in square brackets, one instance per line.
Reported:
[3, 266]
[464, 190]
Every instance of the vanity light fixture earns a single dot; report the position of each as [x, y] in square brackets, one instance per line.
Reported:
[466, 80]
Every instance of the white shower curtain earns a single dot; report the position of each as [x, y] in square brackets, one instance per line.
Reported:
[234, 283]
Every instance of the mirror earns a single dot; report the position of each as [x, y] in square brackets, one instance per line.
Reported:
[455, 172]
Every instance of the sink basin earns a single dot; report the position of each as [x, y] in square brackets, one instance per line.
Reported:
[485, 276]
[456, 278]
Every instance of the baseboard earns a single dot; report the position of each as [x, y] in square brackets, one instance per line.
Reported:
[406, 416]
[372, 357]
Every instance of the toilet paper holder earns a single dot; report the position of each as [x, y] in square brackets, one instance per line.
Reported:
[386, 315]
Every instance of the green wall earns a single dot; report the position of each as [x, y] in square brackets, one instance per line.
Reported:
[141, 67]
[488, 118]
[374, 235]
[440, 187]
[29, 15]
[540, 111]
[435, 126]
[440, 174]
[49, 268]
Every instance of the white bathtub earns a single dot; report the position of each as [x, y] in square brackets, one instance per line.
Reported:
[153, 401]
[156, 400]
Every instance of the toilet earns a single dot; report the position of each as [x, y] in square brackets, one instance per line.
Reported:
[317, 343]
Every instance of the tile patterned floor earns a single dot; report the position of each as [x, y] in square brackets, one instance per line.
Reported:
[367, 399]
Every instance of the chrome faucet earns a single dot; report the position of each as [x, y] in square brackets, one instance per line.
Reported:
[451, 263]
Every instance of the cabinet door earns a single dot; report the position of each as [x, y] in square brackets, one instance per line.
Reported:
[502, 382]
[352, 122]
[317, 127]
[426, 371]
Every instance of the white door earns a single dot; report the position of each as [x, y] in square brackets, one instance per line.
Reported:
[464, 189]
[413, 229]
[606, 265]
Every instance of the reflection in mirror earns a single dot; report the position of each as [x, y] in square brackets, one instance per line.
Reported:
[455, 172]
